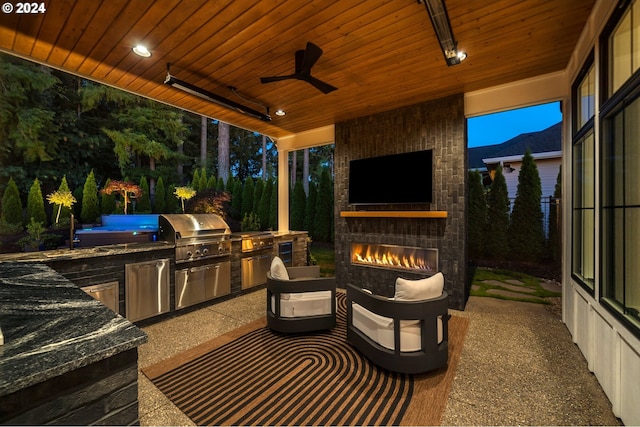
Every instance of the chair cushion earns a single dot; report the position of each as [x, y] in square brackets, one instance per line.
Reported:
[303, 304]
[278, 269]
[380, 329]
[422, 289]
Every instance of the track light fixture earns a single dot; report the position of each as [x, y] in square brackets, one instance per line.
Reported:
[440, 20]
[216, 99]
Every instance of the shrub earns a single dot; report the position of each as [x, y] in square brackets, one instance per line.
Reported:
[273, 206]
[250, 222]
[497, 217]
[143, 202]
[310, 209]
[477, 219]
[263, 206]
[90, 210]
[159, 198]
[526, 233]
[297, 208]
[247, 197]
[171, 201]
[35, 204]
[236, 200]
[323, 223]
[11, 204]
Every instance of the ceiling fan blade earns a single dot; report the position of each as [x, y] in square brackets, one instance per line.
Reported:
[320, 85]
[277, 78]
[311, 55]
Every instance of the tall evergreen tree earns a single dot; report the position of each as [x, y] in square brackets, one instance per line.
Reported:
[35, 204]
[195, 181]
[172, 203]
[497, 218]
[11, 204]
[477, 218]
[90, 208]
[526, 233]
[257, 195]
[310, 209]
[220, 184]
[143, 203]
[297, 208]
[324, 208]
[236, 201]
[160, 198]
[202, 185]
[273, 206]
[246, 206]
[263, 207]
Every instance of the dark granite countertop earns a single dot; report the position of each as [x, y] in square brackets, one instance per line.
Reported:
[51, 327]
[92, 252]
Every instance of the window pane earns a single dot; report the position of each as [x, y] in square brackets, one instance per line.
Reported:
[636, 36]
[588, 251]
[632, 264]
[612, 254]
[613, 162]
[632, 154]
[586, 98]
[621, 53]
[589, 173]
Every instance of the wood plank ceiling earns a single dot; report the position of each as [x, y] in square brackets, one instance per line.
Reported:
[381, 54]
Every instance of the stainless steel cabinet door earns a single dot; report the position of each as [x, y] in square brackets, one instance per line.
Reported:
[147, 289]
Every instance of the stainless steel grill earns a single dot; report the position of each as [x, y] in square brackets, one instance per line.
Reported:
[257, 253]
[196, 236]
[256, 241]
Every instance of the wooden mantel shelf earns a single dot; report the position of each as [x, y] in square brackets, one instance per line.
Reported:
[393, 214]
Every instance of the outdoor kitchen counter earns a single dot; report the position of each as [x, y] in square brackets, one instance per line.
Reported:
[51, 327]
[92, 252]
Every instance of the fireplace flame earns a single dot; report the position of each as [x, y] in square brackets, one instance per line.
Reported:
[397, 257]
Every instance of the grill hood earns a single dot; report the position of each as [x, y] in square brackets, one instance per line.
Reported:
[185, 228]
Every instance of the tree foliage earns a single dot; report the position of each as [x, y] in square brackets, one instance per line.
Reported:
[90, 208]
[477, 217]
[323, 227]
[555, 241]
[159, 199]
[297, 208]
[310, 209]
[11, 204]
[497, 246]
[526, 233]
[246, 206]
[35, 204]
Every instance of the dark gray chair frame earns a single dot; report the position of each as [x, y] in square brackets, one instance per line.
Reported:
[432, 355]
[301, 279]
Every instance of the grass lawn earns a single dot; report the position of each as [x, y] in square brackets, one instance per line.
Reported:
[517, 286]
[324, 255]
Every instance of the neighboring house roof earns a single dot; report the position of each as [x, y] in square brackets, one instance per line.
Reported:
[545, 141]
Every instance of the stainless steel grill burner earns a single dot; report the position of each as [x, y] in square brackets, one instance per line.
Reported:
[196, 236]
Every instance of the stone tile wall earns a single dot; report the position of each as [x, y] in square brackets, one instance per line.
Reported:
[438, 125]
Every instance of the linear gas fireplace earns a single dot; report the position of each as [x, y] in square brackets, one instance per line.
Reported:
[403, 258]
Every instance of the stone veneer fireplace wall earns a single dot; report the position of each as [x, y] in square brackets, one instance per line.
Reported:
[438, 125]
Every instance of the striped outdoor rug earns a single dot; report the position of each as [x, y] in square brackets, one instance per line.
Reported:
[258, 377]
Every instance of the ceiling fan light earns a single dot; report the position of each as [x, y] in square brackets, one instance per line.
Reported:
[141, 50]
[279, 113]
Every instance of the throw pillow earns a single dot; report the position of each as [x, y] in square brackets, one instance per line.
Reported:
[278, 269]
[416, 290]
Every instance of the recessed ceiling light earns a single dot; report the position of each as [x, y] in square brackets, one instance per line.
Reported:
[280, 113]
[141, 51]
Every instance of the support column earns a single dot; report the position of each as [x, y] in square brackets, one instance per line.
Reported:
[283, 190]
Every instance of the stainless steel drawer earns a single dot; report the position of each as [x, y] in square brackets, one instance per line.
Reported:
[147, 289]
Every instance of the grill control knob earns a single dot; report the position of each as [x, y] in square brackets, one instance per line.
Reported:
[197, 252]
[205, 251]
[189, 254]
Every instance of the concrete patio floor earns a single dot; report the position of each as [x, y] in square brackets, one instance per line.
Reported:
[519, 365]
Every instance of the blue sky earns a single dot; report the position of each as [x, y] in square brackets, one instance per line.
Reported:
[500, 127]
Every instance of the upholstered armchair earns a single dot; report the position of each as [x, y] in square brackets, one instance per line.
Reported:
[407, 333]
[298, 299]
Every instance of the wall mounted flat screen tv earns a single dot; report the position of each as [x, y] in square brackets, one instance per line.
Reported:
[393, 179]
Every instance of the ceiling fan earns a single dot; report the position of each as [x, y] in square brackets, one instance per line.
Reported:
[305, 59]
